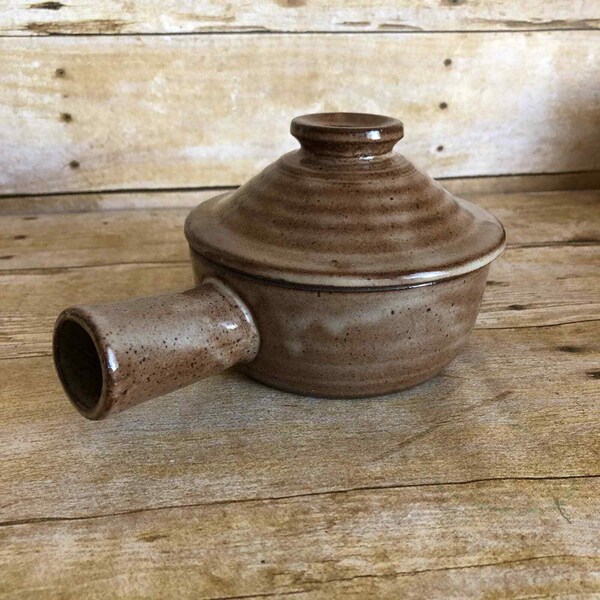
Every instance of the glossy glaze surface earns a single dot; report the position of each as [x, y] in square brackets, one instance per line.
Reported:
[344, 210]
[347, 344]
[338, 271]
[112, 356]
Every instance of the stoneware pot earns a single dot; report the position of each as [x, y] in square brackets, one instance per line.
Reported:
[339, 271]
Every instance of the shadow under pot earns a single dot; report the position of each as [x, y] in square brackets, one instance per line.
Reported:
[339, 271]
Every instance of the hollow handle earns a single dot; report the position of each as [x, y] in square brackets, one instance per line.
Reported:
[112, 356]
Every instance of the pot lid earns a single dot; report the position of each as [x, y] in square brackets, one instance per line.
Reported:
[344, 210]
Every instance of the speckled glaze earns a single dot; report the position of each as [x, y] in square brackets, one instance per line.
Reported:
[352, 344]
[345, 211]
[340, 271]
[112, 356]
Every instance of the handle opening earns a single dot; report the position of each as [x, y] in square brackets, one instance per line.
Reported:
[78, 364]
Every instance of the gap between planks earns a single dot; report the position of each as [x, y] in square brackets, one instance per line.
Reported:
[158, 198]
[259, 499]
[287, 32]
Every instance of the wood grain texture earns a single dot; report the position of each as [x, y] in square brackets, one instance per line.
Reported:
[98, 249]
[513, 405]
[23, 17]
[496, 539]
[507, 184]
[101, 201]
[534, 299]
[482, 483]
[98, 113]
[190, 197]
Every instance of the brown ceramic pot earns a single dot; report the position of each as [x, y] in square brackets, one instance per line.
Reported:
[338, 271]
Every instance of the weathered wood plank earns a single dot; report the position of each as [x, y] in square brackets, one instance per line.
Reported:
[552, 219]
[514, 404]
[527, 287]
[542, 286]
[484, 482]
[507, 184]
[107, 201]
[31, 301]
[101, 113]
[124, 200]
[93, 239]
[96, 238]
[22, 17]
[548, 275]
[497, 539]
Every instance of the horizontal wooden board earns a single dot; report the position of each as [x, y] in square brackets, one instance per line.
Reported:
[100, 113]
[527, 287]
[23, 17]
[507, 184]
[105, 201]
[35, 239]
[484, 482]
[496, 539]
[124, 200]
[548, 275]
[515, 404]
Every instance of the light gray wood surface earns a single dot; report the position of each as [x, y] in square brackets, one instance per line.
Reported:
[105, 113]
[112, 17]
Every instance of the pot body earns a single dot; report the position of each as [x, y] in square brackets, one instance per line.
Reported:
[346, 343]
[340, 270]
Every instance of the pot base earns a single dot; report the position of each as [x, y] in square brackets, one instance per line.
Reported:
[353, 394]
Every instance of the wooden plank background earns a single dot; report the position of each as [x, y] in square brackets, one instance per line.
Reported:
[36, 258]
[27, 17]
[482, 483]
[142, 95]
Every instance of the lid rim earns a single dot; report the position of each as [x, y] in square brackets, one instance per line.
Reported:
[306, 279]
[368, 286]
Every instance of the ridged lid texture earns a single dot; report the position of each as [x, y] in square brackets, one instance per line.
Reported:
[344, 210]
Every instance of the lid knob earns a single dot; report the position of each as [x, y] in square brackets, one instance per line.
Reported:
[347, 134]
